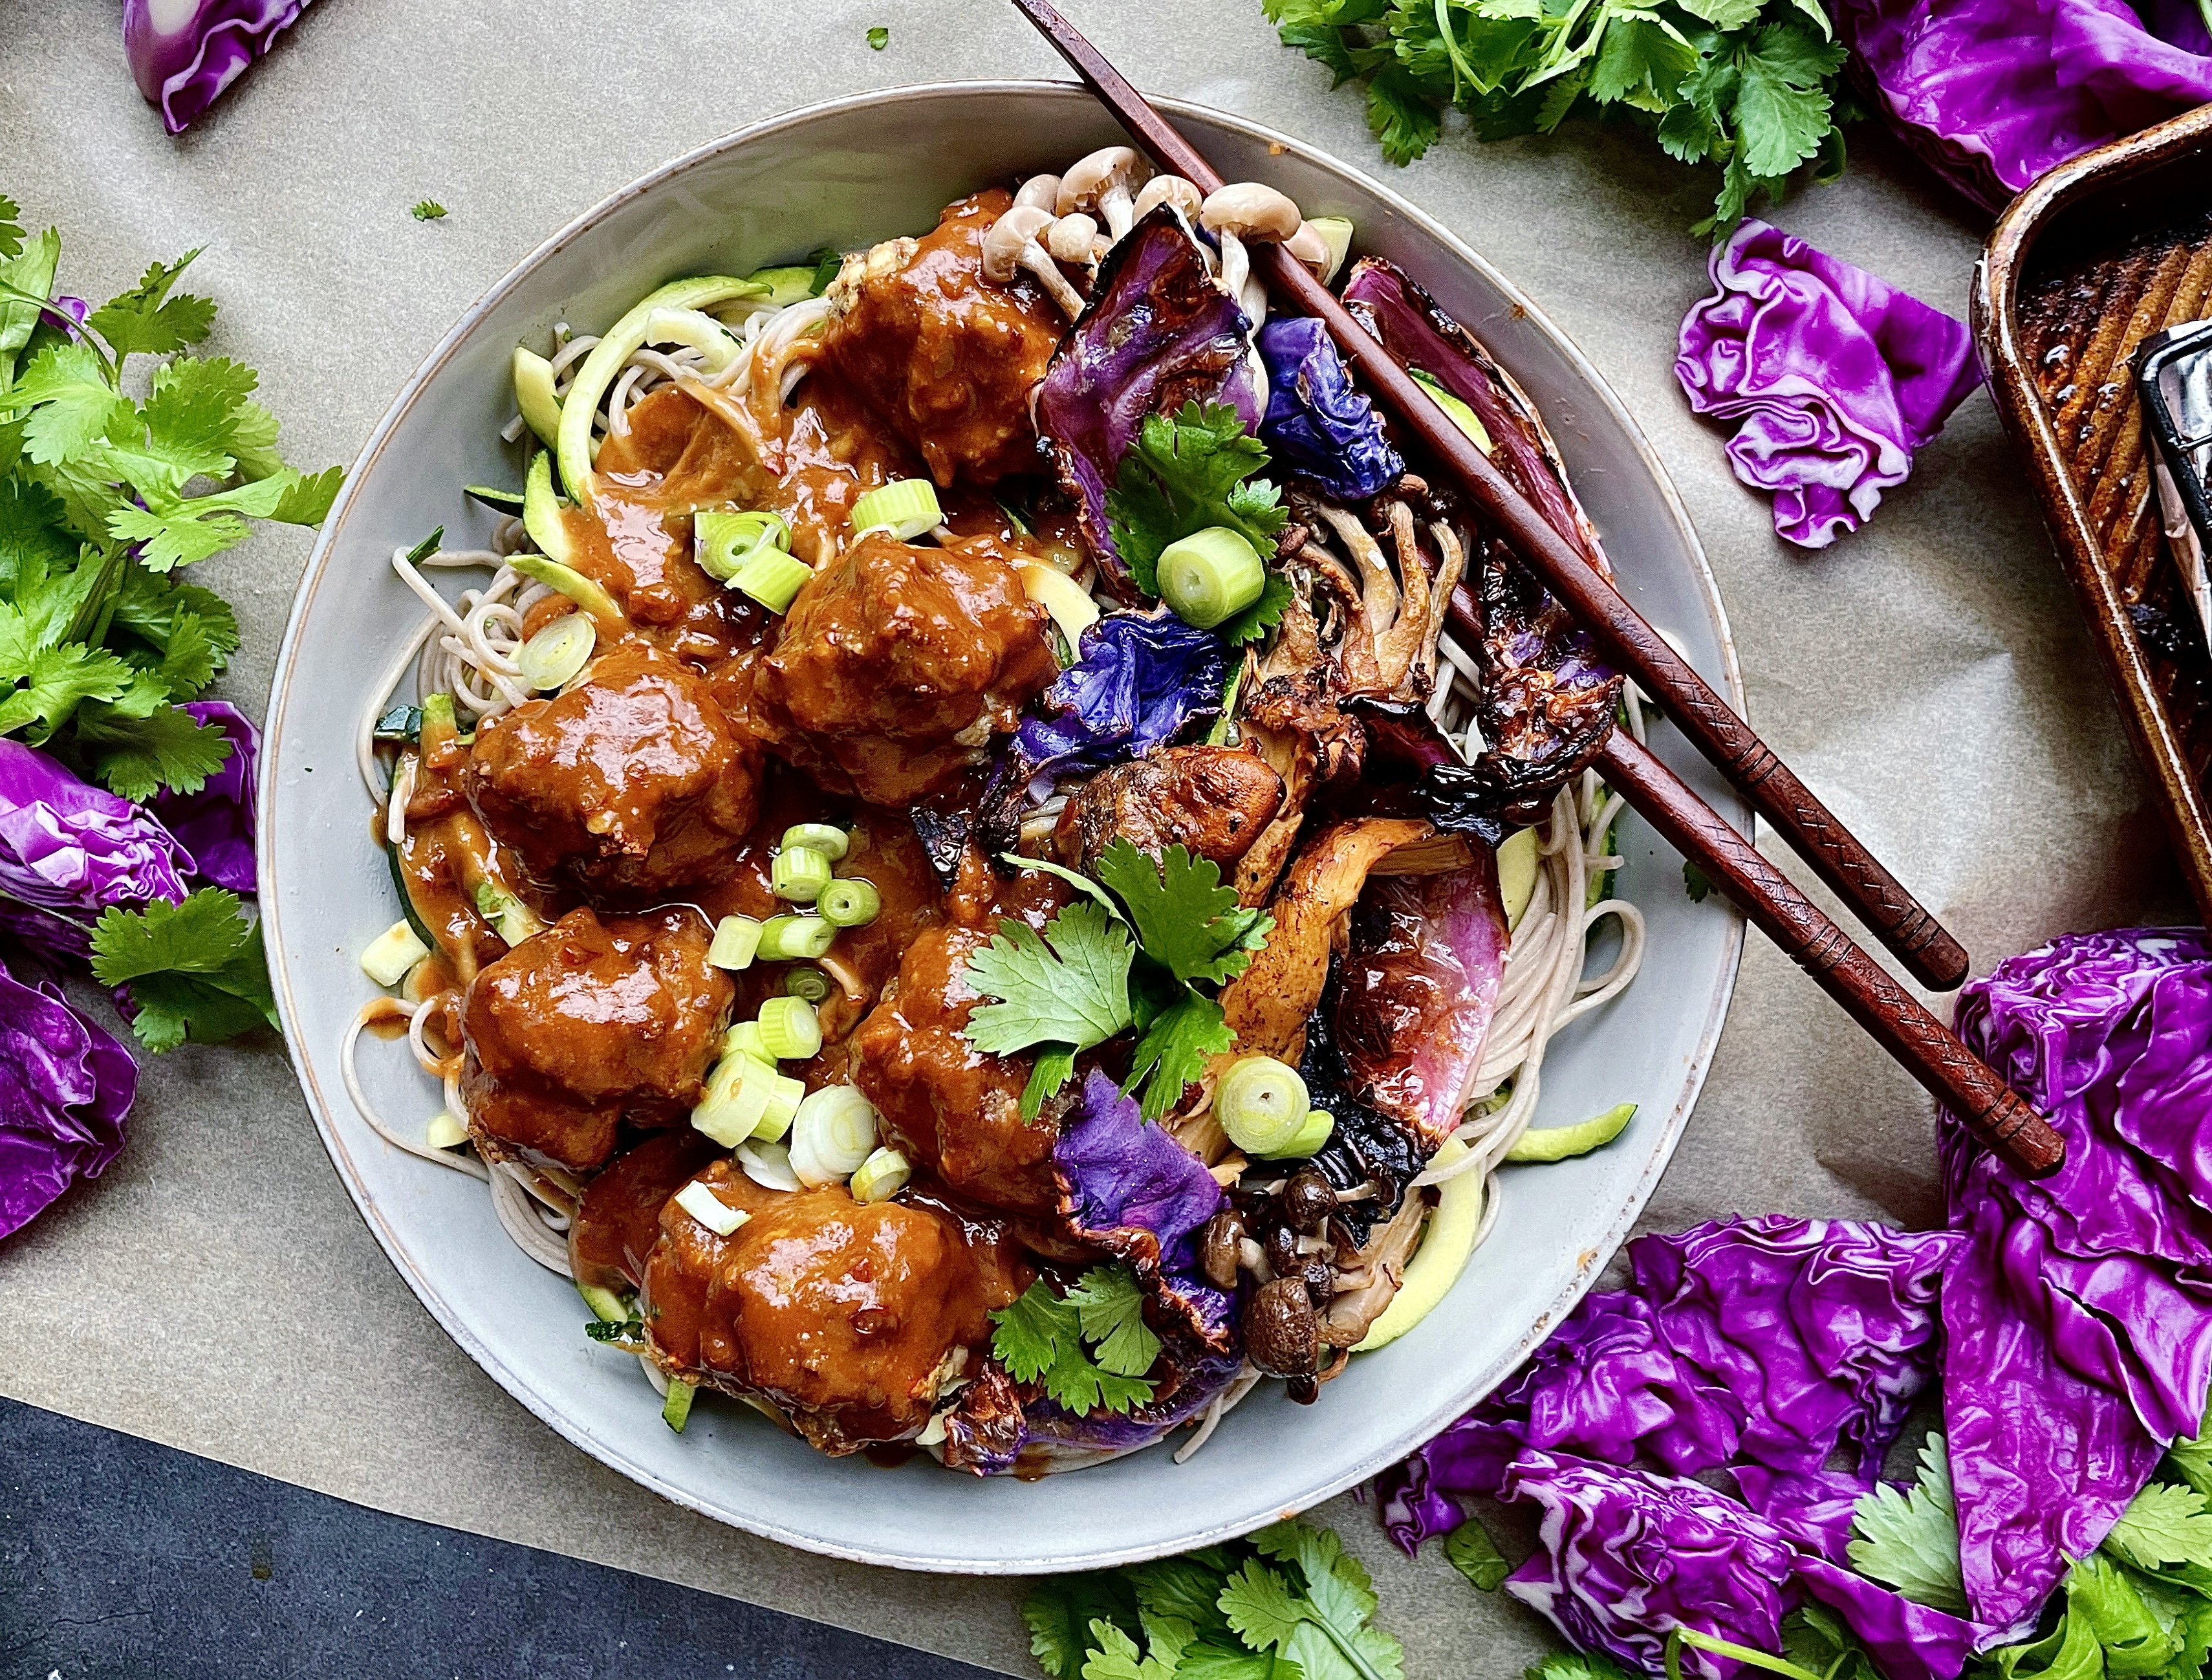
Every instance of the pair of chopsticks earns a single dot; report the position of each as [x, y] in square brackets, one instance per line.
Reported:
[1923, 1045]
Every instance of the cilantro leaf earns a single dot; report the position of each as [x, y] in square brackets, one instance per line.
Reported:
[147, 320]
[55, 680]
[177, 531]
[2163, 1525]
[2190, 1461]
[1111, 1308]
[427, 210]
[1072, 991]
[11, 231]
[1175, 1049]
[140, 745]
[1039, 1339]
[70, 401]
[1185, 474]
[1469, 1550]
[1117, 1657]
[1061, 1611]
[1261, 1606]
[1910, 1541]
[1783, 104]
[25, 276]
[1186, 920]
[1262, 616]
[1577, 1666]
[195, 969]
[1054, 1066]
[1401, 116]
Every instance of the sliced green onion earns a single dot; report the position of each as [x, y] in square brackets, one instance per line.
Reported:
[512, 920]
[558, 651]
[1211, 575]
[789, 1029]
[744, 1039]
[1560, 1143]
[827, 838]
[799, 873]
[745, 1098]
[833, 1132]
[811, 984]
[767, 1165]
[737, 941]
[606, 1305]
[771, 577]
[1311, 1135]
[851, 902]
[724, 541]
[700, 1201]
[881, 1176]
[675, 1410]
[1455, 406]
[533, 395]
[795, 939]
[905, 506]
[392, 953]
[447, 1131]
[1262, 1104]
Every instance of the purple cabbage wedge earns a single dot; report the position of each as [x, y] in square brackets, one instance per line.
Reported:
[1992, 93]
[184, 52]
[65, 1086]
[216, 824]
[1157, 333]
[1838, 378]
[1627, 1557]
[67, 845]
[2079, 1315]
[1770, 1342]
[1318, 423]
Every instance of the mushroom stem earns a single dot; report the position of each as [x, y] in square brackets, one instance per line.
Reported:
[1236, 263]
[1116, 206]
[1038, 261]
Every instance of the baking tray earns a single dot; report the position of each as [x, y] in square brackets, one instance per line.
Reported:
[2086, 263]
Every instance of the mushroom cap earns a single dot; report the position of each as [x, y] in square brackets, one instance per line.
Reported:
[1251, 211]
[1039, 193]
[1088, 177]
[1167, 189]
[1069, 239]
[1310, 247]
[1010, 235]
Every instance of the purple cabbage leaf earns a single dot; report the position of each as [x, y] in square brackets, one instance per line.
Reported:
[1158, 333]
[1838, 377]
[184, 53]
[66, 845]
[1318, 423]
[1993, 93]
[2080, 1313]
[65, 1086]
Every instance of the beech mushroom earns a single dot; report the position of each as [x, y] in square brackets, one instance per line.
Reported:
[1310, 247]
[1104, 181]
[1039, 193]
[1072, 238]
[1012, 243]
[1241, 213]
[1167, 189]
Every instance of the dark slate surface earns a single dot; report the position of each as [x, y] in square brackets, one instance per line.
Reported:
[120, 1558]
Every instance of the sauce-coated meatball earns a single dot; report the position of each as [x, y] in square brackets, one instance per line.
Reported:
[587, 1025]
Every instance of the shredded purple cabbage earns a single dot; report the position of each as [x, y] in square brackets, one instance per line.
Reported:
[1318, 423]
[2080, 1314]
[1138, 683]
[65, 1086]
[216, 824]
[184, 52]
[1158, 333]
[1992, 93]
[1838, 378]
[1129, 1187]
[67, 845]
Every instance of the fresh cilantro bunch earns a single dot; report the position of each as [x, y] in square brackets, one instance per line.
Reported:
[1134, 954]
[1041, 1337]
[1183, 474]
[103, 495]
[1288, 1603]
[1751, 87]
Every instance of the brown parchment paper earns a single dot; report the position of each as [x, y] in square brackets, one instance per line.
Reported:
[216, 1291]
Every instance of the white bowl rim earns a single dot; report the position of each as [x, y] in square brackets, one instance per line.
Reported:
[579, 1432]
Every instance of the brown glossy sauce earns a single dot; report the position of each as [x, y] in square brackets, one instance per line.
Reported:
[618, 1220]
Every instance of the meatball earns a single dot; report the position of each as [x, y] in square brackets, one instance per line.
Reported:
[587, 1025]
[630, 785]
[1214, 800]
[897, 663]
[949, 1106]
[946, 357]
[851, 1317]
[618, 1219]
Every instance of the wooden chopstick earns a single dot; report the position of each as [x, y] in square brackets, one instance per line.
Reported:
[1926, 1049]
[1897, 919]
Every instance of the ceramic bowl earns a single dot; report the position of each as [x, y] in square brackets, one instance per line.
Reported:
[848, 174]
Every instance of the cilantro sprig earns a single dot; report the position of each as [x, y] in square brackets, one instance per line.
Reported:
[1910, 1540]
[1086, 979]
[1750, 87]
[1289, 1604]
[1041, 1339]
[109, 483]
[194, 969]
[1182, 475]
